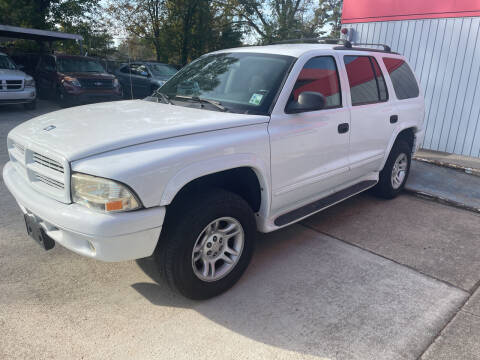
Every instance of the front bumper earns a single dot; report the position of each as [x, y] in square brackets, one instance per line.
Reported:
[107, 237]
[82, 96]
[26, 95]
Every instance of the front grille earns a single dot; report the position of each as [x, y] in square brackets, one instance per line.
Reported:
[11, 85]
[47, 173]
[50, 182]
[47, 162]
[96, 83]
[20, 148]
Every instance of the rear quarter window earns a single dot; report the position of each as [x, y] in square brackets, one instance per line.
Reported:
[403, 80]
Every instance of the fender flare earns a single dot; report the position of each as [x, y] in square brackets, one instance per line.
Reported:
[215, 165]
[398, 130]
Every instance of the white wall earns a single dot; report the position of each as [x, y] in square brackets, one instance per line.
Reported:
[445, 56]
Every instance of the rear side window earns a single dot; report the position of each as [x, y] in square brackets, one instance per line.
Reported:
[367, 85]
[320, 74]
[403, 80]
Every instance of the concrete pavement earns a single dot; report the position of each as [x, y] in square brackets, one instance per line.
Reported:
[366, 279]
[466, 164]
[445, 184]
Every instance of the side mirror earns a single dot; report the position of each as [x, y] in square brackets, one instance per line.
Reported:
[307, 101]
[144, 73]
[20, 67]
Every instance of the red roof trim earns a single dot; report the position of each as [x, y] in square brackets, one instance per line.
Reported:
[358, 11]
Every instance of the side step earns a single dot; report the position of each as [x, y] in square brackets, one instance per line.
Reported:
[323, 203]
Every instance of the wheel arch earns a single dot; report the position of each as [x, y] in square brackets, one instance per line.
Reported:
[245, 176]
[407, 133]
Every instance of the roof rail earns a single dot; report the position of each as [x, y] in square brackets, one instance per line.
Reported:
[385, 47]
[321, 40]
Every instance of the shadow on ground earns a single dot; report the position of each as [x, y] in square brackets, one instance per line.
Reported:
[309, 293]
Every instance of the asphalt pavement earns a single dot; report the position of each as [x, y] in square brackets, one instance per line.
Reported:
[365, 279]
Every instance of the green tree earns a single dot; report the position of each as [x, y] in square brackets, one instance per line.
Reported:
[276, 20]
[76, 16]
[179, 30]
[331, 12]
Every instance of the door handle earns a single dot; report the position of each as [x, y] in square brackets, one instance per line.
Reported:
[343, 128]
[393, 119]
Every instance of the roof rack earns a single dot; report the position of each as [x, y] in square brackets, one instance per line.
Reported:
[321, 40]
[385, 47]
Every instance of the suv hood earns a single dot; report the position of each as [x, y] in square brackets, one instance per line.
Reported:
[89, 75]
[12, 74]
[82, 131]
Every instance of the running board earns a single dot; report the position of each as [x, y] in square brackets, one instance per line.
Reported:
[323, 203]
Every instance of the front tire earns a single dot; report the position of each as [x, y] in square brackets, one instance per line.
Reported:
[207, 243]
[62, 98]
[395, 173]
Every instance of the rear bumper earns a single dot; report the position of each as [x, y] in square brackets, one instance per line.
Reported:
[26, 95]
[107, 237]
[418, 141]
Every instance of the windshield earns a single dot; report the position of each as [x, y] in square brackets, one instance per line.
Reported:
[79, 65]
[162, 70]
[6, 63]
[242, 82]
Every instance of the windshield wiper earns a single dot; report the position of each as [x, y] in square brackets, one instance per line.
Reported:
[217, 104]
[165, 98]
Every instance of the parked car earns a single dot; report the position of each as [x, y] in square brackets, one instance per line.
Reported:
[16, 87]
[141, 79]
[240, 140]
[73, 80]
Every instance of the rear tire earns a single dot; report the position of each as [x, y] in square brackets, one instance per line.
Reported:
[206, 244]
[395, 173]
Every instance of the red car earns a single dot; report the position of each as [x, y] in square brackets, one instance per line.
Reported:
[74, 80]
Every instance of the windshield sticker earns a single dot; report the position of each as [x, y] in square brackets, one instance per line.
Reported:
[256, 99]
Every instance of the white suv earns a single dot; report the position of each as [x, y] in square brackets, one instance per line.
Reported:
[240, 140]
[16, 87]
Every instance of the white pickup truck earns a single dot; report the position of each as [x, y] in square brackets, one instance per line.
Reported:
[240, 140]
[16, 87]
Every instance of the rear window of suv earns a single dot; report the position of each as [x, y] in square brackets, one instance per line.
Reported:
[403, 80]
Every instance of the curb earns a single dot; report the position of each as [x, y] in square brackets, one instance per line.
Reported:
[442, 200]
[467, 170]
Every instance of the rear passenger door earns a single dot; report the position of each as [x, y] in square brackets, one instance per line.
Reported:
[406, 95]
[372, 114]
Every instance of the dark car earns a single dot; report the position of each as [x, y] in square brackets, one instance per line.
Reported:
[26, 61]
[141, 79]
[74, 80]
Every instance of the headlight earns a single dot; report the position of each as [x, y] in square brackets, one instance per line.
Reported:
[115, 82]
[102, 194]
[72, 81]
[29, 83]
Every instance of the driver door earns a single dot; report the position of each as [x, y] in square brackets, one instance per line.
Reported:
[310, 149]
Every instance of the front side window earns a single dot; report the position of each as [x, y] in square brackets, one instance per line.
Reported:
[242, 82]
[162, 69]
[139, 69]
[403, 80]
[367, 85]
[66, 65]
[320, 75]
[6, 63]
